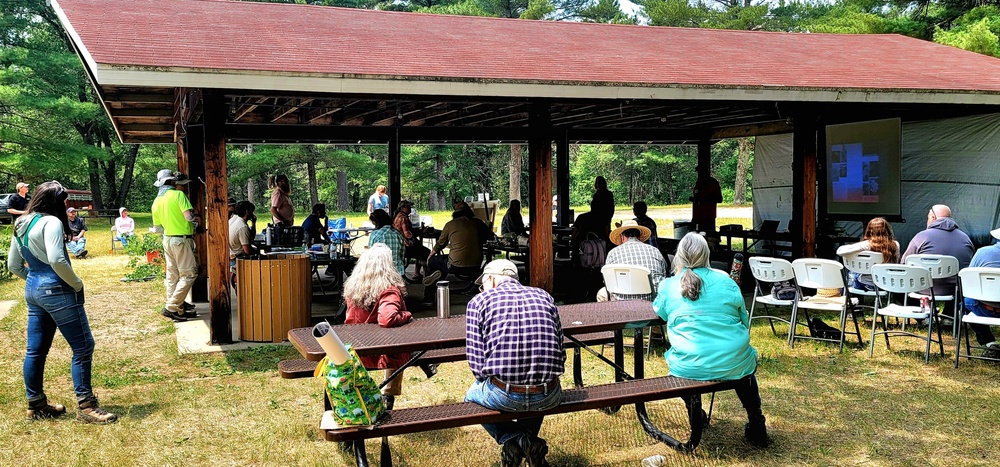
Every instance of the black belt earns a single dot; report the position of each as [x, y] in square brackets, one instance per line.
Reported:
[525, 389]
[179, 236]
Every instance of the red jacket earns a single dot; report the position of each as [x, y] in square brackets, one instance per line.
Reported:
[389, 311]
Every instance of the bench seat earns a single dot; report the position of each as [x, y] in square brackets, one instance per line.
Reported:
[420, 419]
[302, 368]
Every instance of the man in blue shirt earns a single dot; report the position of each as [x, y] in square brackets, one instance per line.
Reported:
[986, 257]
[514, 344]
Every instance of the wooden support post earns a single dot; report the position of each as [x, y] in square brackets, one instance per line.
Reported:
[540, 153]
[803, 226]
[216, 220]
[562, 180]
[395, 170]
[194, 168]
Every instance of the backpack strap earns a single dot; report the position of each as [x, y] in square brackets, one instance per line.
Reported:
[22, 239]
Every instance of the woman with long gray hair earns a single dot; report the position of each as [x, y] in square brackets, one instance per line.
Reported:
[709, 330]
[375, 293]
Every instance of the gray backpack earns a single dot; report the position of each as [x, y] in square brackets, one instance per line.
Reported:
[593, 250]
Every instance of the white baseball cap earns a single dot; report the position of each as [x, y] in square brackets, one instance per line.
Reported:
[499, 267]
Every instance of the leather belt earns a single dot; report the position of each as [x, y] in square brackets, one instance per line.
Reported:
[179, 236]
[524, 389]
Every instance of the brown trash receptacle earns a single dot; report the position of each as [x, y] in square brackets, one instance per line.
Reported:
[274, 296]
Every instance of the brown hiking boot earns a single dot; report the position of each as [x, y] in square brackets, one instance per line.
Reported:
[91, 412]
[42, 409]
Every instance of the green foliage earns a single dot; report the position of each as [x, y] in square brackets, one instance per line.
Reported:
[5, 237]
[979, 37]
[137, 249]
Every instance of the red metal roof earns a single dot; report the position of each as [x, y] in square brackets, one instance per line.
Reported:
[292, 39]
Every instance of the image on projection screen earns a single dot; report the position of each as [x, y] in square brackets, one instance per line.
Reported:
[863, 168]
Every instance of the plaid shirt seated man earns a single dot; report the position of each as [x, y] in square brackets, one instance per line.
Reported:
[514, 344]
[632, 250]
[385, 233]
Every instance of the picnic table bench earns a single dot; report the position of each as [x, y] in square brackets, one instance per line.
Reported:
[429, 334]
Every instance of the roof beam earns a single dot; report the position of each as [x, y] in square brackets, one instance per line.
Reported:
[292, 106]
[760, 129]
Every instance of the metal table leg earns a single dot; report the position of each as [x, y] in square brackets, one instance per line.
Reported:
[694, 410]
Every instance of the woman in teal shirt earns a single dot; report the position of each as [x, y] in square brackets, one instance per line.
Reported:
[709, 330]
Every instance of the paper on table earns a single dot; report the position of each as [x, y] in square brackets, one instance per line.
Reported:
[328, 340]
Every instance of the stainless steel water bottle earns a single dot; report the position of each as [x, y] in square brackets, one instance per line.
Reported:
[443, 299]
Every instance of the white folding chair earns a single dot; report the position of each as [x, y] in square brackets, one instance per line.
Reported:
[861, 263]
[623, 279]
[977, 284]
[769, 271]
[905, 279]
[114, 239]
[817, 273]
[940, 267]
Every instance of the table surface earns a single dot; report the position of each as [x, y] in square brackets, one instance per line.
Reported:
[437, 333]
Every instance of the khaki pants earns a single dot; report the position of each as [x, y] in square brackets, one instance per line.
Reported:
[182, 269]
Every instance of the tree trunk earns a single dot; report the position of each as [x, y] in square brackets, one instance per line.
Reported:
[515, 172]
[742, 166]
[251, 189]
[439, 169]
[313, 186]
[130, 156]
[343, 194]
[95, 182]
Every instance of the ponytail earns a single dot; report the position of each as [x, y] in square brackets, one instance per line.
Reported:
[690, 285]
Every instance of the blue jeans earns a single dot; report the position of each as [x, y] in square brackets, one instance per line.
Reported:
[124, 238]
[77, 247]
[54, 305]
[487, 395]
[983, 334]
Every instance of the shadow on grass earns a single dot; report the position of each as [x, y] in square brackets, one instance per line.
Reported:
[133, 412]
[258, 359]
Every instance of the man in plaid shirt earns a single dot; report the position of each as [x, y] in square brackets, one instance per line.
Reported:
[514, 345]
[384, 233]
[632, 250]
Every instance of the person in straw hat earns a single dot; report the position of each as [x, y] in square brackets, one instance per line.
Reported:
[632, 250]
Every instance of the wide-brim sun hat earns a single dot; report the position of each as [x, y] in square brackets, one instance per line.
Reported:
[403, 202]
[616, 235]
[167, 175]
[995, 233]
[499, 267]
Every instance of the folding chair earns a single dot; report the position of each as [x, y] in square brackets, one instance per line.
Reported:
[861, 263]
[115, 240]
[816, 273]
[625, 279]
[977, 284]
[770, 271]
[940, 267]
[905, 279]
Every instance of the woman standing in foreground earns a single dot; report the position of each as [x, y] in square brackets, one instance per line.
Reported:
[54, 295]
[709, 330]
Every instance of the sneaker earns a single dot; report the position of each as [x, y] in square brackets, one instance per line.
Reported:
[511, 453]
[189, 314]
[992, 350]
[755, 432]
[83, 254]
[42, 409]
[432, 278]
[173, 315]
[430, 369]
[535, 449]
[91, 412]
[185, 306]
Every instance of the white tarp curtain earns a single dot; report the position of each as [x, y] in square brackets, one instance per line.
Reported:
[952, 161]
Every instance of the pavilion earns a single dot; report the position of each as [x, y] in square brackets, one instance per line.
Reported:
[204, 73]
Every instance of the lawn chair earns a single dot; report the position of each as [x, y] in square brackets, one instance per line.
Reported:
[770, 271]
[816, 273]
[940, 267]
[905, 279]
[116, 244]
[624, 279]
[861, 263]
[977, 284]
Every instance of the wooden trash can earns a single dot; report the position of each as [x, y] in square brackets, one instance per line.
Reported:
[274, 296]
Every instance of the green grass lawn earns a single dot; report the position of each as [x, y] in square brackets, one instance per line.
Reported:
[822, 407]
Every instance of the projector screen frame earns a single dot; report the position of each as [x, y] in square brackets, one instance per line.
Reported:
[825, 183]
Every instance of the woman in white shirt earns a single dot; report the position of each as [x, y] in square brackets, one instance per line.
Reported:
[54, 295]
[878, 238]
[125, 226]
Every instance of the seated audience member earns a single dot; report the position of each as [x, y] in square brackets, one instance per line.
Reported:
[709, 330]
[314, 226]
[942, 237]
[384, 233]
[241, 230]
[639, 210]
[513, 223]
[124, 226]
[514, 345]
[375, 293]
[632, 250]
[878, 238]
[986, 257]
[464, 235]
[584, 225]
[403, 222]
[76, 242]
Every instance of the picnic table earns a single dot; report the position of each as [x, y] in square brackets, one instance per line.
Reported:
[431, 334]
